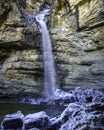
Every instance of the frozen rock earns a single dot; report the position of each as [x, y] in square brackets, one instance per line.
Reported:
[37, 120]
[89, 117]
[13, 121]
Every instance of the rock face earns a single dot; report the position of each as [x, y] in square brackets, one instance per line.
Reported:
[77, 31]
[20, 57]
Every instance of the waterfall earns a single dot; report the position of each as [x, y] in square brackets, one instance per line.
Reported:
[49, 69]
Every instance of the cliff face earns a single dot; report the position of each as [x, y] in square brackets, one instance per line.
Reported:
[20, 60]
[77, 32]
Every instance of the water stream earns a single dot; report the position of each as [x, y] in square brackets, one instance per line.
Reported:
[49, 69]
[26, 108]
[41, 20]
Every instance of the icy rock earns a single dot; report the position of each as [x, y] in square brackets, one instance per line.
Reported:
[84, 117]
[13, 121]
[64, 117]
[87, 95]
[37, 120]
[63, 98]
[55, 124]
[34, 129]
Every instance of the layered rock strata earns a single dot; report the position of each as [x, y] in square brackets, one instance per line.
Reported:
[77, 32]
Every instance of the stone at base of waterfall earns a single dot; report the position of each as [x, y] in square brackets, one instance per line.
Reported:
[37, 120]
[57, 122]
[83, 117]
[34, 129]
[80, 117]
[13, 121]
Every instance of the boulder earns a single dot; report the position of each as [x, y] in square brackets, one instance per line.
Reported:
[13, 121]
[37, 120]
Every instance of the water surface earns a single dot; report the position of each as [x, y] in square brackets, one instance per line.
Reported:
[11, 107]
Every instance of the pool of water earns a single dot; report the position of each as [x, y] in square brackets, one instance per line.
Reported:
[11, 107]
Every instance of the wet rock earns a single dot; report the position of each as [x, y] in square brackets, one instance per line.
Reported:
[55, 124]
[13, 121]
[85, 112]
[63, 98]
[30, 6]
[38, 120]
[82, 119]
[33, 129]
[87, 95]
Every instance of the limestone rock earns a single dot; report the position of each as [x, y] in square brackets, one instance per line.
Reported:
[11, 25]
[91, 12]
[77, 48]
[77, 32]
[15, 56]
[75, 54]
[21, 69]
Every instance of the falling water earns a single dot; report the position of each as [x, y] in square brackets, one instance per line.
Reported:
[49, 69]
